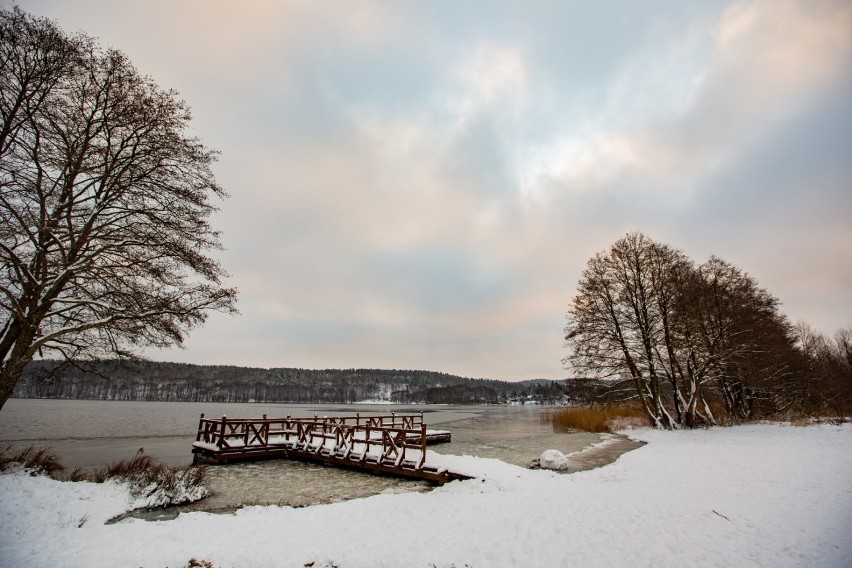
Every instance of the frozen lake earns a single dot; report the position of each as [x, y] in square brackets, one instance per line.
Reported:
[89, 434]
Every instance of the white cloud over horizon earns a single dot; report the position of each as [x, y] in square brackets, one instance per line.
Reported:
[420, 185]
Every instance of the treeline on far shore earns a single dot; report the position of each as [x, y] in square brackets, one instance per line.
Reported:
[167, 382]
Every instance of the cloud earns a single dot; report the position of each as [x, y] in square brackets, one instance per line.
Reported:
[493, 75]
[420, 185]
[765, 60]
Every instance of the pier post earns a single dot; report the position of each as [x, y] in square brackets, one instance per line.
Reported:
[422, 444]
[200, 428]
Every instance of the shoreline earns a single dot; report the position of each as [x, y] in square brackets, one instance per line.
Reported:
[605, 453]
[725, 502]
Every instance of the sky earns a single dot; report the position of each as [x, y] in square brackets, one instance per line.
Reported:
[419, 185]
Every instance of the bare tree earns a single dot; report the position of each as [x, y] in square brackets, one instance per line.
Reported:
[618, 321]
[828, 362]
[104, 207]
[678, 333]
[750, 346]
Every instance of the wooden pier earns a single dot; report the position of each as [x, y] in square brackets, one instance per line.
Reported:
[393, 444]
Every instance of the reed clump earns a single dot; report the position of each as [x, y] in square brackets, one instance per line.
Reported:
[140, 465]
[154, 483]
[600, 418]
[151, 482]
[39, 460]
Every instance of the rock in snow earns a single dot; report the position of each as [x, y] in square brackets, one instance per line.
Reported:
[553, 459]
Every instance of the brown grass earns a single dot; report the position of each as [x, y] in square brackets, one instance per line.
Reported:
[139, 466]
[147, 478]
[40, 460]
[600, 418]
[719, 412]
[142, 470]
[78, 475]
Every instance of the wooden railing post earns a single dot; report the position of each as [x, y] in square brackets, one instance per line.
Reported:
[422, 445]
[366, 442]
[222, 432]
[200, 428]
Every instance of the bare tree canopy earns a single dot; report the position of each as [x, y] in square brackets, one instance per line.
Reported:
[105, 204]
[681, 336]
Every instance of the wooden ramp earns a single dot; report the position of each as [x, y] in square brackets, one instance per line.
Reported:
[393, 444]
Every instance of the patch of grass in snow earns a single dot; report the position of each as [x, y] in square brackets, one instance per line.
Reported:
[38, 460]
[140, 465]
[74, 522]
[151, 482]
[600, 418]
[155, 483]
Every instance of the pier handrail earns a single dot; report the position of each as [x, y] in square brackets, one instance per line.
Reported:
[375, 439]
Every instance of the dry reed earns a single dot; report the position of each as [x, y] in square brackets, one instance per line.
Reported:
[145, 474]
[39, 460]
[600, 418]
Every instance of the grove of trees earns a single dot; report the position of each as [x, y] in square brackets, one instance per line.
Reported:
[684, 339]
[157, 381]
[105, 202]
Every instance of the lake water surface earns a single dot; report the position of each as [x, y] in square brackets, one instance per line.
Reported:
[90, 434]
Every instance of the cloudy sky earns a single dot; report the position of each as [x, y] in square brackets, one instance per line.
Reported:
[418, 185]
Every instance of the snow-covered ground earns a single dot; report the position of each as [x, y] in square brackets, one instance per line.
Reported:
[761, 495]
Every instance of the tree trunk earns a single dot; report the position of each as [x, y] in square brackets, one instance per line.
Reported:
[10, 374]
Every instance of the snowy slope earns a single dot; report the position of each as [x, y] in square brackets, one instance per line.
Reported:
[763, 495]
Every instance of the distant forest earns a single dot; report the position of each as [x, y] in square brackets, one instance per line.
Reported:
[154, 381]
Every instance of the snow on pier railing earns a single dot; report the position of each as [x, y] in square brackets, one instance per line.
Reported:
[393, 444]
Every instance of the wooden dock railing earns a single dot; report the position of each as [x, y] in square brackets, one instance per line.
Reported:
[393, 444]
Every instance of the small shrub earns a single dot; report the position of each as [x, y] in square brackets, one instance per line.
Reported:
[39, 460]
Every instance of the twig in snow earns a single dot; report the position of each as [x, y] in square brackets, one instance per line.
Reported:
[721, 515]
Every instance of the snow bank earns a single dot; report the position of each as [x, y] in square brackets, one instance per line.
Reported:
[36, 505]
[764, 495]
